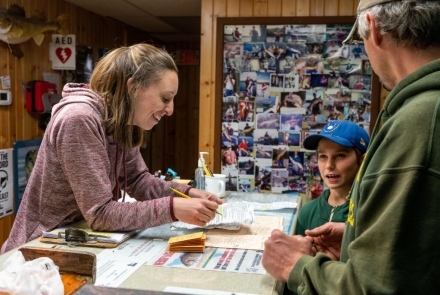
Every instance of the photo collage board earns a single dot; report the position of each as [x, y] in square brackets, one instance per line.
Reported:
[282, 83]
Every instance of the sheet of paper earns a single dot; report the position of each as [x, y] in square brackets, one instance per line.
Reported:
[111, 273]
[191, 291]
[233, 216]
[220, 259]
[249, 236]
[273, 206]
[115, 265]
[141, 249]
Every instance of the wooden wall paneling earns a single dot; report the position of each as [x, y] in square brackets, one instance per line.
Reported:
[274, 7]
[288, 7]
[233, 8]
[260, 8]
[347, 7]
[331, 7]
[317, 7]
[303, 8]
[246, 8]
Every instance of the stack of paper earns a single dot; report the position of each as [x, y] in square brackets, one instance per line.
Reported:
[188, 243]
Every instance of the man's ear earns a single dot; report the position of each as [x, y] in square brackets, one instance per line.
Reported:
[375, 34]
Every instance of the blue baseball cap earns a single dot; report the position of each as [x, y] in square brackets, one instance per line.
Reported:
[342, 132]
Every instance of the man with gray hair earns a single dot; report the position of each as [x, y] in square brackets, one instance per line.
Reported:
[389, 243]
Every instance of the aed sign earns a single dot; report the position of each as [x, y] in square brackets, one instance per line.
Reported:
[187, 57]
[63, 52]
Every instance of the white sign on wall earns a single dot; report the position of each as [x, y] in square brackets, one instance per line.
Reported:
[63, 52]
[6, 182]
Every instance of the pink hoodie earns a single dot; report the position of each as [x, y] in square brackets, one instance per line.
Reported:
[74, 176]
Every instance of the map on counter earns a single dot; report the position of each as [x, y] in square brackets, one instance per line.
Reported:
[249, 236]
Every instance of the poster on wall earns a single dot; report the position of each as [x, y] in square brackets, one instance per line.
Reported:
[282, 83]
[25, 155]
[6, 182]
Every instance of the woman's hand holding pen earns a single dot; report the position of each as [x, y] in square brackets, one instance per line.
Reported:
[196, 210]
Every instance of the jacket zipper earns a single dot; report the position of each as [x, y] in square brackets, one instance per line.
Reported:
[332, 212]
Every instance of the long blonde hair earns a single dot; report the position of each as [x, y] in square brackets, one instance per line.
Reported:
[144, 63]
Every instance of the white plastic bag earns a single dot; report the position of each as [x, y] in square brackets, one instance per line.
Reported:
[39, 276]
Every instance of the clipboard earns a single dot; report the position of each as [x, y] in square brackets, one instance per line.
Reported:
[80, 234]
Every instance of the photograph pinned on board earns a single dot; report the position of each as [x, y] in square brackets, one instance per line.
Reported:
[266, 136]
[315, 49]
[230, 85]
[229, 134]
[276, 82]
[267, 105]
[263, 151]
[246, 109]
[276, 50]
[291, 82]
[314, 102]
[248, 84]
[253, 50]
[293, 99]
[316, 33]
[275, 33]
[296, 163]
[319, 80]
[286, 66]
[263, 84]
[244, 185]
[289, 138]
[246, 129]
[357, 50]
[231, 179]
[296, 49]
[246, 167]
[229, 156]
[263, 176]
[280, 180]
[338, 31]
[296, 33]
[232, 65]
[291, 122]
[245, 146]
[230, 110]
[360, 82]
[280, 158]
[268, 121]
[233, 50]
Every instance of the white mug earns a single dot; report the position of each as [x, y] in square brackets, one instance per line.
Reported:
[216, 184]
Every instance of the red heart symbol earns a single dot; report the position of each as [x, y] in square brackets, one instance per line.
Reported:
[63, 54]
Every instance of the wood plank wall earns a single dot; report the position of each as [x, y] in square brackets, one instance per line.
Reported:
[180, 130]
[211, 10]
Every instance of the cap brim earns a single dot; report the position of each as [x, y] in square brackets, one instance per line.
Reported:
[311, 142]
[352, 36]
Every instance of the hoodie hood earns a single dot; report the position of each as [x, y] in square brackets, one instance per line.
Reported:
[422, 80]
[429, 76]
[79, 93]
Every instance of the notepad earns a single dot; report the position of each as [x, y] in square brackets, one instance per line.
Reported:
[194, 242]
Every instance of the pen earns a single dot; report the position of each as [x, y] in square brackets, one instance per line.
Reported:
[188, 197]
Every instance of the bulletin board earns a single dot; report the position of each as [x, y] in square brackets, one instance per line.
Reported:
[279, 81]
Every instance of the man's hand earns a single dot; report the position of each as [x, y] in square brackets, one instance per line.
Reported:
[281, 253]
[327, 239]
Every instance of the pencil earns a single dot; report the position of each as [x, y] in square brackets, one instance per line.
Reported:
[188, 197]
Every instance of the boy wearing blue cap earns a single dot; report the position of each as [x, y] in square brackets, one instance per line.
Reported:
[340, 147]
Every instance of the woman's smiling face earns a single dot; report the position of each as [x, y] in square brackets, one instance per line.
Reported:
[155, 101]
